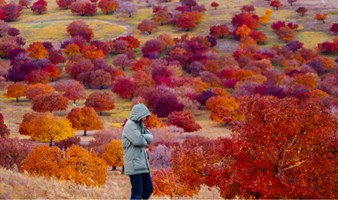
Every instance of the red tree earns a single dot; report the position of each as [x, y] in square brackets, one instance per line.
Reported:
[125, 87]
[80, 28]
[101, 101]
[100, 78]
[334, 28]
[185, 120]
[147, 26]
[64, 4]
[219, 31]
[39, 7]
[301, 10]
[10, 11]
[49, 102]
[186, 21]
[24, 3]
[279, 151]
[214, 5]
[123, 61]
[276, 4]
[83, 8]
[75, 91]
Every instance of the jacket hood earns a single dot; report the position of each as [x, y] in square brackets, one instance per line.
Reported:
[138, 112]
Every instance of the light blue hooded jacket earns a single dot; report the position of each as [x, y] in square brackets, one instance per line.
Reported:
[135, 139]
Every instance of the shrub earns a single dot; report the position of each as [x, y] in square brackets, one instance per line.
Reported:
[185, 120]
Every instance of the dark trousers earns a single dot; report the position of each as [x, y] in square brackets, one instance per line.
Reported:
[141, 186]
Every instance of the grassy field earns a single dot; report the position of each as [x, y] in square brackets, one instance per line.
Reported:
[52, 27]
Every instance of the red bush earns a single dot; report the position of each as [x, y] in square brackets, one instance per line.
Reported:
[185, 120]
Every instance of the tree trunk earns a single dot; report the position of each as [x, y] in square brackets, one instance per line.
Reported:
[84, 132]
[100, 113]
[122, 170]
[17, 99]
[51, 143]
[113, 168]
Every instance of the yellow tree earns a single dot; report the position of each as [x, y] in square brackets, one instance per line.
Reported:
[113, 154]
[82, 167]
[16, 90]
[45, 127]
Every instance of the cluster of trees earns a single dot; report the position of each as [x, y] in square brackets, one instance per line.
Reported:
[277, 152]
[186, 16]
[89, 8]
[282, 117]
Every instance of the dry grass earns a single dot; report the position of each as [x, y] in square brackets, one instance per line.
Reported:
[14, 185]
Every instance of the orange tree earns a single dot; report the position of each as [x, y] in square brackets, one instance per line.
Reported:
[16, 90]
[37, 50]
[113, 153]
[285, 148]
[45, 127]
[85, 119]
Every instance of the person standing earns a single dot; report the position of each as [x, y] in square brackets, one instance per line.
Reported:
[135, 140]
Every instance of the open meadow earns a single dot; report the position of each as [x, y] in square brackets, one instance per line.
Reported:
[243, 96]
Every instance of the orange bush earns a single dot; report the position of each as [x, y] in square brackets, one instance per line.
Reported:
[309, 80]
[82, 167]
[154, 122]
[113, 153]
[167, 184]
[223, 109]
[43, 160]
[37, 50]
[76, 164]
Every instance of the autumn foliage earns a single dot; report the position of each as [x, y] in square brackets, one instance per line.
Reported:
[75, 164]
[299, 138]
[320, 17]
[46, 127]
[49, 102]
[113, 153]
[101, 101]
[4, 131]
[85, 119]
[185, 120]
[16, 90]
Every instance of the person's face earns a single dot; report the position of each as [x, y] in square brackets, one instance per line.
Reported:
[145, 118]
